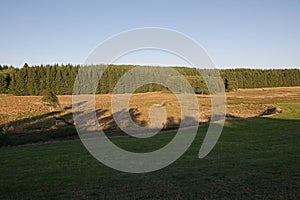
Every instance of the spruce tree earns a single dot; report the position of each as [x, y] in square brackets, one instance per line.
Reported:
[50, 99]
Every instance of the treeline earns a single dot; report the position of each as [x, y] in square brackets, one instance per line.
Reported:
[60, 78]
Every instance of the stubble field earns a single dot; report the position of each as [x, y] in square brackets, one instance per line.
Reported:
[243, 103]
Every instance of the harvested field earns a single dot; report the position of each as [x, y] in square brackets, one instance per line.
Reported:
[243, 103]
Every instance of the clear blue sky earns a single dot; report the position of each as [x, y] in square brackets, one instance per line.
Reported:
[235, 33]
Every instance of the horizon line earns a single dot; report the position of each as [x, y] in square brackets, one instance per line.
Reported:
[152, 65]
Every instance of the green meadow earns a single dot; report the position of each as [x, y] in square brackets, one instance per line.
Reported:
[256, 158]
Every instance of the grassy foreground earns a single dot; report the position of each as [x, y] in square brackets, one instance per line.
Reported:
[255, 158]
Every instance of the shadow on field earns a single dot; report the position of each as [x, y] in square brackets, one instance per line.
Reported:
[130, 120]
[40, 128]
[59, 125]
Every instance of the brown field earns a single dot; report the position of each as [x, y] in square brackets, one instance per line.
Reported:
[28, 113]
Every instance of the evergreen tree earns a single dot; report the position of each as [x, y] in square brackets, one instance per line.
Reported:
[50, 99]
[60, 78]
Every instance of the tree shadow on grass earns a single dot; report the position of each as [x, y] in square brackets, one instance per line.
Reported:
[57, 125]
[60, 125]
[40, 128]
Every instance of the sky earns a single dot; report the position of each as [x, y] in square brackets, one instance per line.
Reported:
[234, 33]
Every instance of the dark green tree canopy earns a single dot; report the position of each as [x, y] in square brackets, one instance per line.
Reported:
[33, 80]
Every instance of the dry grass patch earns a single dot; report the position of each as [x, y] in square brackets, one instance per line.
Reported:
[243, 103]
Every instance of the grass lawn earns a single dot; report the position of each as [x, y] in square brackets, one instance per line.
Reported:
[255, 158]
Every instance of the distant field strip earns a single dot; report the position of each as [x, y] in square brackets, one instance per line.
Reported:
[242, 103]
